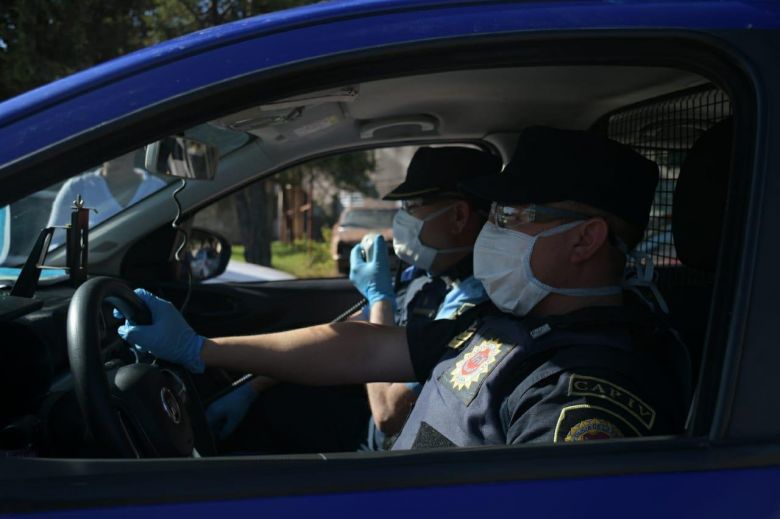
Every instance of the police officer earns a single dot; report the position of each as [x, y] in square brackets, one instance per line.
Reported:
[559, 355]
[434, 232]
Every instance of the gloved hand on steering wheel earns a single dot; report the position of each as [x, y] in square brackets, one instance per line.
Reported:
[226, 413]
[169, 337]
[371, 276]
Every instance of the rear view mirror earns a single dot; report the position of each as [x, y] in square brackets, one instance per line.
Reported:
[182, 157]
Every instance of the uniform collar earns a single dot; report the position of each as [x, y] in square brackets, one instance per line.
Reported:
[631, 316]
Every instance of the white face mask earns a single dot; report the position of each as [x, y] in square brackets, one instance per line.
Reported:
[513, 288]
[406, 239]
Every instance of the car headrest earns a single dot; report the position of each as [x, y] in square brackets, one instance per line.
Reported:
[700, 197]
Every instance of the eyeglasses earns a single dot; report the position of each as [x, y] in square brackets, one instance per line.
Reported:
[506, 216]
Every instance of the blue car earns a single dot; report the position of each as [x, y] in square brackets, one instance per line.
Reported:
[692, 85]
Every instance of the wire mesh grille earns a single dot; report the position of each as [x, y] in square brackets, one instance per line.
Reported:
[663, 131]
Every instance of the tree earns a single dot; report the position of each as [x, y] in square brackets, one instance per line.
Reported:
[346, 171]
[172, 18]
[43, 40]
[255, 205]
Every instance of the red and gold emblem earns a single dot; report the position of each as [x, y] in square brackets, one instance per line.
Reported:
[474, 364]
[593, 429]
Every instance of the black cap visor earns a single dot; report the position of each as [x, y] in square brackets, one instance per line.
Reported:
[502, 188]
[406, 191]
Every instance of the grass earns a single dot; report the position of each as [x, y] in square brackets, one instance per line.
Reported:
[296, 259]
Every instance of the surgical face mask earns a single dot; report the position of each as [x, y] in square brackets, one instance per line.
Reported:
[406, 239]
[502, 262]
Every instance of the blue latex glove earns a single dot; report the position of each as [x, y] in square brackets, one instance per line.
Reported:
[169, 337]
[372, 277]
[225, 414]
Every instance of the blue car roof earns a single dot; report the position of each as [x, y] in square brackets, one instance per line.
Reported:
[57, 111]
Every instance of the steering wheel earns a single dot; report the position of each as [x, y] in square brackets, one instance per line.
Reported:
[135, 410]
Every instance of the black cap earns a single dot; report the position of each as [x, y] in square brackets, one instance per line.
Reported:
[434, 171]
[553, 165]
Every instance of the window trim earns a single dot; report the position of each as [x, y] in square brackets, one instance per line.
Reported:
[45, 484]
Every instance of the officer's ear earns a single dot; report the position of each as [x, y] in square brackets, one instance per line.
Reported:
[589, 238]
[461, 213]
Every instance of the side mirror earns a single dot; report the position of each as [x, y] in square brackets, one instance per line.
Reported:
[182, 157]
[207, 254]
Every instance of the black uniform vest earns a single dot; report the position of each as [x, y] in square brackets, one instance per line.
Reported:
[501, 355]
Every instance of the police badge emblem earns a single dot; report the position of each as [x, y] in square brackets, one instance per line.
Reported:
[584, 422]
[593, 429]
[474, 364]
[466, 372]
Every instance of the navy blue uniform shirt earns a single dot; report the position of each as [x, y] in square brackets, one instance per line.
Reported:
[492, 378]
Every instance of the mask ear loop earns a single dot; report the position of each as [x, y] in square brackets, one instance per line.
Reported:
[642, 275]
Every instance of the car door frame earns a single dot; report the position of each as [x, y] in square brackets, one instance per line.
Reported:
[721, 55]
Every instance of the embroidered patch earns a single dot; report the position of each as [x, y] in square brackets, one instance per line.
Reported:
[474, 364]
[593, 429]
[465, 373]
[588, 422]
[592, 386]
[463, 337]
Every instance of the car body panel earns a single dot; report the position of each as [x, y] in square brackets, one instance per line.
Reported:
[70, 109]
[740, 492]
[64, 109]
[755, 301]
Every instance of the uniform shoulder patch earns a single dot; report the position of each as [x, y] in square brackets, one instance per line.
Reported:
[474, 364]
[585, 422]
[469, 369]
[581, 385]
[593, 429]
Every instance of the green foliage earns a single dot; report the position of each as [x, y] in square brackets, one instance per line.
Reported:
[327, 233]
[297, 259]
[347, 171]
[44, 40]
[172, 18]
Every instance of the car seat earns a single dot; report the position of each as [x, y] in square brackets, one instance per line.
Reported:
[697, 219]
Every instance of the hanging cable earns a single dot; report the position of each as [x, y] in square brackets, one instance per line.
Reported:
[185, 236]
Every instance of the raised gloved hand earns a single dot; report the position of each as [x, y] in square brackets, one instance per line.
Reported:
[169, 337]
[371, 276]
[226, 413]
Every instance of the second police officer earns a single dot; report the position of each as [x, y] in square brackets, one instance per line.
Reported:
[434, 232]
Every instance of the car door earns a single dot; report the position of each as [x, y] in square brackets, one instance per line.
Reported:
[732, 447]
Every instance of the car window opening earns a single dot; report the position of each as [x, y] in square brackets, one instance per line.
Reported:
[680, 129]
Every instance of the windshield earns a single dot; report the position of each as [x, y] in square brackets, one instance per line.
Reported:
[107, 190]
[369, 218]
